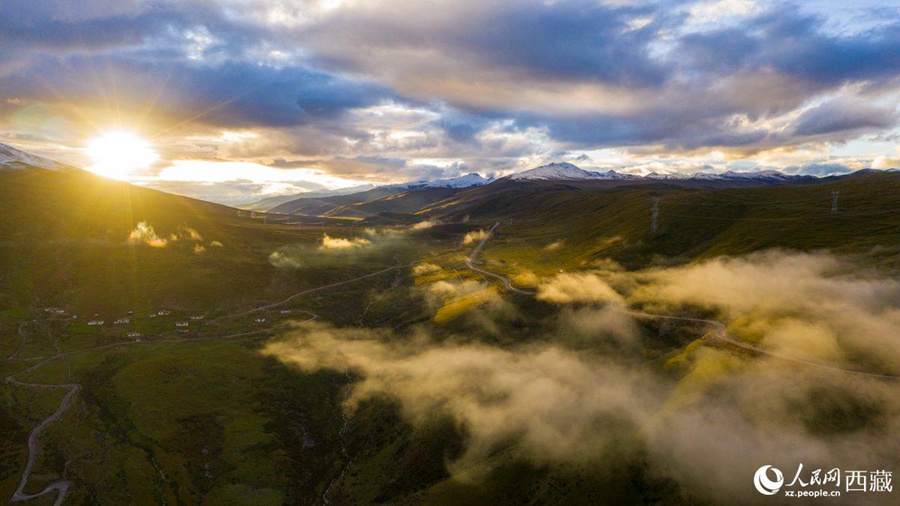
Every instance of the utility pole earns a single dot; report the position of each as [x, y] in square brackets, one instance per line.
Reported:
[834, 199]
[654, 215]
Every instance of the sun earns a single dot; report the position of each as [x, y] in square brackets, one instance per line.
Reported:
[118, 154]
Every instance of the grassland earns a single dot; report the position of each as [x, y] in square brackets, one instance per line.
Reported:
[203, 417]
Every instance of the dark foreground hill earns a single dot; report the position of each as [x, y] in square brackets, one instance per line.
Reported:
[69, 237]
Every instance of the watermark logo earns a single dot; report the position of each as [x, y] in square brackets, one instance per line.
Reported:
[763, 484]
[769, 480]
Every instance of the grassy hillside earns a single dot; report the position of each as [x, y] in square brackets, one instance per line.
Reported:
[64, 241]
[206, 418]
[553, 225]
[369, 203]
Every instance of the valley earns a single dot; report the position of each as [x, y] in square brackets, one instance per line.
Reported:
[354, 360]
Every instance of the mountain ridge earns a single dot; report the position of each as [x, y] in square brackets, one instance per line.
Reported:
[13, 158]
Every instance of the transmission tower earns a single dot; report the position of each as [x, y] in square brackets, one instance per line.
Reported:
[654, 215]
[834, 199]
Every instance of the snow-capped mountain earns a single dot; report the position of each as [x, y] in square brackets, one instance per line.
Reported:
[12, 158]
[566, 172]
[762, 175]
[471, 179]
[765, 175]
[569, 172]
[555, 172]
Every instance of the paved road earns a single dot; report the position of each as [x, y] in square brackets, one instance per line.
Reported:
[307, 292]
[72, 389]
[471, 259]
[722, 334]
[719, 328]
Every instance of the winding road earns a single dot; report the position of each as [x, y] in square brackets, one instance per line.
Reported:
[72, 389]
[719, 328]
[471, 265]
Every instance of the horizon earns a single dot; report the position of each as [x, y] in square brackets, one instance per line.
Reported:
[488, 179]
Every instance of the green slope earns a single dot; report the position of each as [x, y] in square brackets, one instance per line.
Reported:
[64, 241]
[614, 222]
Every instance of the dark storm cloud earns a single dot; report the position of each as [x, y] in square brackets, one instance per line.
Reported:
[30, 24]
[766, 65]
[794, 44]
[837, 116]
[230, 94]
[565, 40]
[578, 40]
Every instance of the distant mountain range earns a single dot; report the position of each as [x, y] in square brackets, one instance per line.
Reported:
[565, 172]
[368, 199]
[569, 172]
[272, 202]
[12, 158]
[467, 181]
[551, 172]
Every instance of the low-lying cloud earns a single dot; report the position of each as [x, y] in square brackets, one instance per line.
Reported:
[329, 242]
[704, 416]
[144, 233]
[559, 406]
[474, 236]
[423, 225]
[426, 268]
[807, 304]
[577, 287]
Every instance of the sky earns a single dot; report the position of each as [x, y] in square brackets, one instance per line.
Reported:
[233, 100]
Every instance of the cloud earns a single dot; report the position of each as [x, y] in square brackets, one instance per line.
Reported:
[806, 303]
[702, 417]
[885, 162]
[143, 233]
[559, 406]
[842, 115]
[422, 225]
[215, 244]
[474, 236]
[553, 246]
[285, 261]
[490, 84]
[329, 242]
[568, 288]
[191, 234]
[426, 268]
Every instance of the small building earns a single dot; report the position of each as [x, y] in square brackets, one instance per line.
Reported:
[164, 312]
[260, 320]
[122, 321]
[95, 323]
[182, 324]
[134, 334]
[197, 317]
[285, 311]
